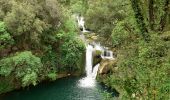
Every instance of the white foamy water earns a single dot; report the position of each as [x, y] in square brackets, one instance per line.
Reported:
[81, 23]
[89, 60]
[95, 70]
[91, 73]
[107, 54]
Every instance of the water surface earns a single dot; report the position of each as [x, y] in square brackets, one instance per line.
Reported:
[62, 89]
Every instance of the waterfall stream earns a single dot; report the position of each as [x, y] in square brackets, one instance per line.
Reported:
[81, 23]
[91, 72]
[89, 60]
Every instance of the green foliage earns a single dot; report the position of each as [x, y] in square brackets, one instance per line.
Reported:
[139, 19]
[5, 37]
[24, 66]
[76, 6]
[142, 66]
[98, 52]
[27, 67]
[49, 60]
[30, 78]
[52, 76]
[119, 34]
[44, 27]
[30, 19]
[5, 86]
[107, 96]
[72, 47]
[71, 53]
[6, 67]
[143, 70]
[101, 16]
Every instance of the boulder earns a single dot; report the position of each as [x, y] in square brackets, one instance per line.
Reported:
[107, 66]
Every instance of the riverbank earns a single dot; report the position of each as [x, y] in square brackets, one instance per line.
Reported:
[61, 75]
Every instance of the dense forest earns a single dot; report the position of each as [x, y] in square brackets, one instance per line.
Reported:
[39, 40]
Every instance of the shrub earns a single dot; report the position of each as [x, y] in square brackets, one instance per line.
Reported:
[71, 53]
[24, 65]
[52, 76]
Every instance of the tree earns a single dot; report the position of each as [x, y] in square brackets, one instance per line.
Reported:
[5, 37]
[140, 19]
[24, 66]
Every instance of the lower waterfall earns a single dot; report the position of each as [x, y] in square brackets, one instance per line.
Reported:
[91, 73]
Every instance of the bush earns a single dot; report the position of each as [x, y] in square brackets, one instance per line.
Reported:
[71, 54]
[143, 69]
[5, 86]
[49, 60]
[52, 76]
[24, 65]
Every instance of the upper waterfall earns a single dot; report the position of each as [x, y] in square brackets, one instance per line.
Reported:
[81, 23]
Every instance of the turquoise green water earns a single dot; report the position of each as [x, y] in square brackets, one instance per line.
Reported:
[62, 89]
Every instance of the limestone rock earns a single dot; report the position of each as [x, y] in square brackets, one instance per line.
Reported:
[107, 66]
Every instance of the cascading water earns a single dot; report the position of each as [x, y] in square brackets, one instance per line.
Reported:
[91, 73]
[95, 70]
[89, 60]
[107, 54]
[81, 23]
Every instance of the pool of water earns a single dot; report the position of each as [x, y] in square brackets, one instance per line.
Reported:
[62, 89]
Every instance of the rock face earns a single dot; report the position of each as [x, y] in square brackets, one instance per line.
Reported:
[107, 66]
[96, 57]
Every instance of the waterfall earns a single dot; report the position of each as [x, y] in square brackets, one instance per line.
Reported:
[91, 73]
[95, 70]
[89, 60]
[81, 23]
[98, 47]
[107, 54]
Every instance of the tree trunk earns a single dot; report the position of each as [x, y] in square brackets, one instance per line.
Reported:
[164, 17]
[151, 14]
[139, 19]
